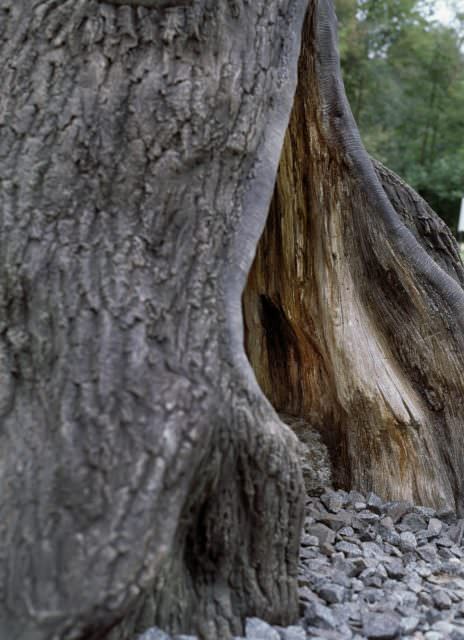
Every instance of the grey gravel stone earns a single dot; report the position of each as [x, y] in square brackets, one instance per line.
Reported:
[307, 595]
[314, 455]
[326, 634]
[292, 633]
[443, 541]
[409, 624]
[340, 578]
[332, 501]
[322, 533]
[358, 565]
[435, 526]
[408, 541]
[395, 568]
[427, 512]
[357, 585]
[456, 532]
[388, 534]
[381, 626]
[327, 549]
[414, 522]
[308, 552]
[387, 522]
[441, 599]
[386, 570]
[453, 567]
[337, 521]
[371, 550]
[373, 595]
[423, 570]
[396, 510]
[414, 582]
[374, 503]
[355, 496]
[392, 550]
[367, 517]
[442, 626]
[423, 537]
[447, 516]
[445, 553]
[428, 553]
[342, 612]
[256, 629]
[320, 616]
[425, 598]
[351, 550]
[371, 578]
[332, 593]
[154, 634]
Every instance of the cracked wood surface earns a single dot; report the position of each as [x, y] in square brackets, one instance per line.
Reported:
[354, 306]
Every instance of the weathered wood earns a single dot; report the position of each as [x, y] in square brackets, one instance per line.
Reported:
[144, 477]
[354, 306]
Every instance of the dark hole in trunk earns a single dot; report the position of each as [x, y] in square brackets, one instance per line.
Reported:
[282, 342]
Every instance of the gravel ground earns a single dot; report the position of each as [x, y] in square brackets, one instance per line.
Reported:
[372, 569]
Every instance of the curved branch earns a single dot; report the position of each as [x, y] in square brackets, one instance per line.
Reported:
[429, 230]
[342, 129]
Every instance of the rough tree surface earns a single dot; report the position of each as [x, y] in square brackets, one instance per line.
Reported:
[144, 477]
[354, 306]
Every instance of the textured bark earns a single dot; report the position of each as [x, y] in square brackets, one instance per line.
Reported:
[354, 306]
[144, 476]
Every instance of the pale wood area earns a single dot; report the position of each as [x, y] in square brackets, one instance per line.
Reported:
[349, 322]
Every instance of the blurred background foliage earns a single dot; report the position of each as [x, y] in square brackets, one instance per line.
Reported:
[404, 76]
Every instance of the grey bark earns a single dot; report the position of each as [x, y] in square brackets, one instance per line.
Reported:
[428, 228]
[144, 477]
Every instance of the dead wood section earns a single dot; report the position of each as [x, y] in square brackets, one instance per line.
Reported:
[354, 306]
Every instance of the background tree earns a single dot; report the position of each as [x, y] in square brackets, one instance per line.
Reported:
[404, 76]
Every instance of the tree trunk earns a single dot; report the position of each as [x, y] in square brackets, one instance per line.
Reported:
[145, 478]
[354, 306]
